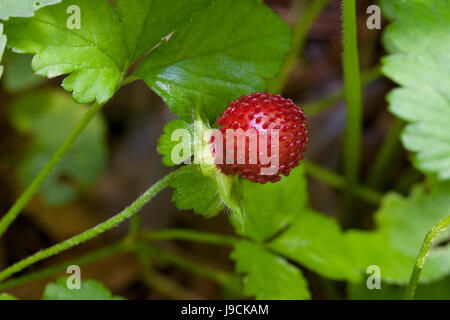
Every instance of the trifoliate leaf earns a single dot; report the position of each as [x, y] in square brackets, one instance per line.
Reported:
[176, 144]
[227, 50]
[402, 224]
[22, 8]
[2, 47]
[268, 276]
[48, 117]
[317, 242]
[195, 191]
[89, 290]
[96, 47]
[271, 207]
[419, 42]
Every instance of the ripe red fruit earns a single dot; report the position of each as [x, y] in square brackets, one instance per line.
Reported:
[262, 112]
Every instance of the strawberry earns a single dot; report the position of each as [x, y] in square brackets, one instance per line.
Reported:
[262, 113]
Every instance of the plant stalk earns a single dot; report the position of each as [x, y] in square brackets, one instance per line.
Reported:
[47, 272]
[12, 214]
[437, 229]
[189, 235]
[353, 97]
[95, 231]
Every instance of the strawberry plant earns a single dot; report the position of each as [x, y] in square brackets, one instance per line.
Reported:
[237, 146]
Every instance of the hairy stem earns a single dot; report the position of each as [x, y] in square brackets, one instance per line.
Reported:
[190, 235]
[99, 254]
[95, 231]
[335, 180]
[300, 32]
[437, 229]
[353, 97]
[9, 217]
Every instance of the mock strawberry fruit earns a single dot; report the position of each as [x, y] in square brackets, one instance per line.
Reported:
[263, 136]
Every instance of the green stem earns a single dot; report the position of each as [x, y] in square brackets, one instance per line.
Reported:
[190, 235]
[323, 104]
[95, 231]
[9, 217]
[335, 180]
[300, 32]
[383, 161]
[353, 97]
[437, 229]
[99, 254]
[135, 224]
[218, 276]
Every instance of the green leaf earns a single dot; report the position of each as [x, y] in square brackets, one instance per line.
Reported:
[196, 181]
[18, 74]
[402, 224]
[2, 47]
[47, 117]
[14, 8]
[227, 50]
[388, 9]
[317, 242]
[22, 8]
[268, 276]
[419, 43]
[176, 132]
[271, 207]
[439, 290]
[195, 191]
[90, 290]
[205, 194]
[7, 296]
[146, 22]
[98, 55]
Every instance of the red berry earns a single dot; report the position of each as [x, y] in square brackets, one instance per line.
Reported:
[262, 113]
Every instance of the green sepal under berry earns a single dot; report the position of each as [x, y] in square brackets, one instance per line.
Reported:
[176, 143]
[201, 186]
[206, 195]
[193, 190]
